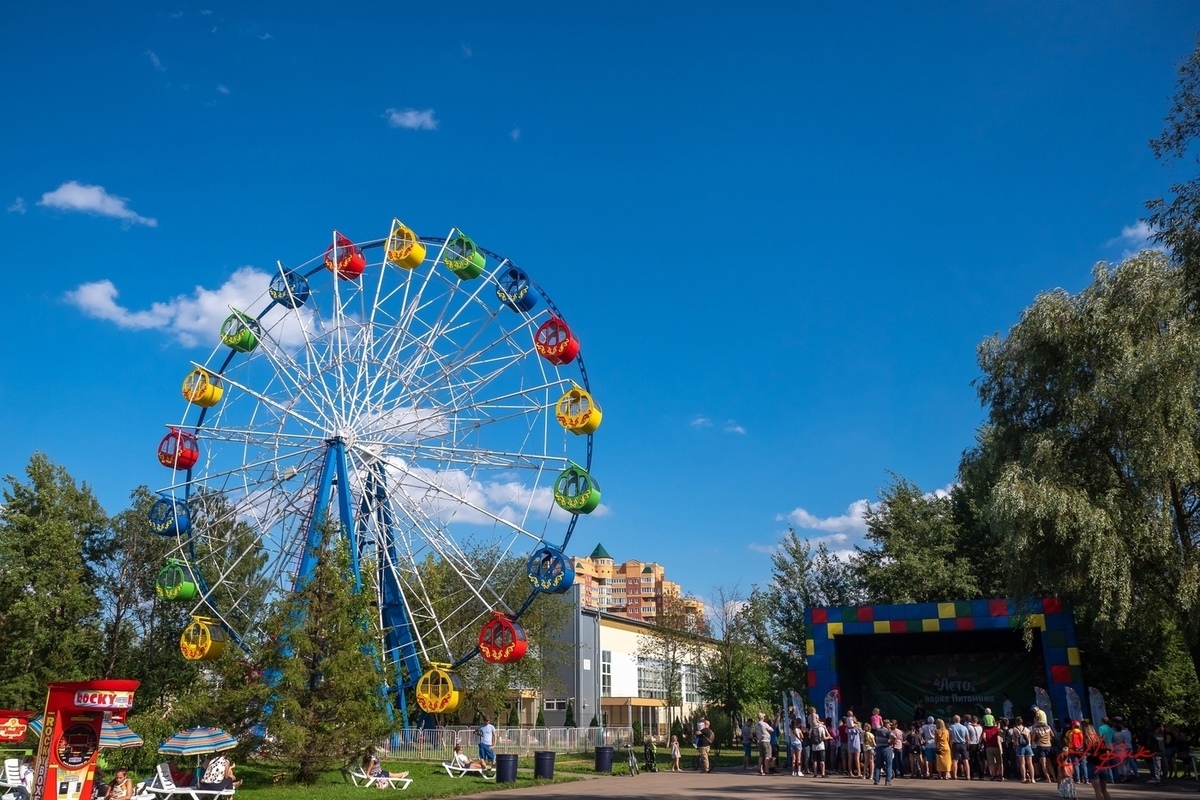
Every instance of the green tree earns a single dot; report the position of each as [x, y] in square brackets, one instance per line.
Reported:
[514, 719]
[141, 630]
[926, 547]
[736, 675]
[569, 721]
[1089, 465]
[541, 719]
[53, 542]
[325, 708]
[675, 640]
[1174, 220]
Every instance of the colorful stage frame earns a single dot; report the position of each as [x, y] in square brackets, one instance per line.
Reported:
[1047, 615]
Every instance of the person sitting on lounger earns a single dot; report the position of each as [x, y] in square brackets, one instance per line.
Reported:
[371, 767]
[218, 775]
[460, 760]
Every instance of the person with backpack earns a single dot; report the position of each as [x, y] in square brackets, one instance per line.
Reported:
[1023, 743]
[816, 746]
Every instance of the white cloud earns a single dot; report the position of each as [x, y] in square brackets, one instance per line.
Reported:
[222, 88]
[411, 119]
[1134, 239]
[155, 61]
[206, 11]
[851, 524]
[732, 426]
[74, 196]
[768, 549]
[515, 134]
[701, 422]
[466, 50]
[264, 37]
[17, 206]
[192, 320]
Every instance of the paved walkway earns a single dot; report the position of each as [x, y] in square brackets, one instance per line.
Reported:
[722, 784]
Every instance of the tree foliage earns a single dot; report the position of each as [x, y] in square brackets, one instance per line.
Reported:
[1094, 445]
[53, 537]
[736, 676]
[676, 639]
[1175, 219]
[322, 707]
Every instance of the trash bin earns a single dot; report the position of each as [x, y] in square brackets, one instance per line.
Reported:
[543, 764]
[604, 759]
[506, 768]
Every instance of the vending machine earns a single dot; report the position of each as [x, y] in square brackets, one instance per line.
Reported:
[66, 759]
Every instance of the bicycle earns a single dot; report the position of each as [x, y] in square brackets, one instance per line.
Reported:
[633, 762]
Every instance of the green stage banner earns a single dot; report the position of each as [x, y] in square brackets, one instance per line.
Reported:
[907, 687]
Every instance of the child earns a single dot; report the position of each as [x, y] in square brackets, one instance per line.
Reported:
[675, 755]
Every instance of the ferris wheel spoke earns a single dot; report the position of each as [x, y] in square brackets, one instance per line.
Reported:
[291, 373]
[280, 408]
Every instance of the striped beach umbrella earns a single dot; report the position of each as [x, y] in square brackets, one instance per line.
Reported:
[113, 735]
[197, 742]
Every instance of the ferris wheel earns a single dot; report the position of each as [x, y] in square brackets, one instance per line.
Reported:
[427, 396]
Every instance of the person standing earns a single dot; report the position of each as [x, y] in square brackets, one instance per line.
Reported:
[1043, 748]
[762, 731]
[796, 749]
[487, 738]
[817, 736]
[675, 755]
[958, 749]
[705, 736]
[944, 765]
[747, 741]
[928, 745]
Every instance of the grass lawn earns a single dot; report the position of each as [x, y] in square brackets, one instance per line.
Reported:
[429, 780]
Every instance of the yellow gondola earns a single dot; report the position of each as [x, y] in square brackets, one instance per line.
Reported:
[403, 248]
[203, 640]
[203, 388]
[439, 691]
[578, 412]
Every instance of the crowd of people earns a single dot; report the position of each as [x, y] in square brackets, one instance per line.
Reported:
[964, 747]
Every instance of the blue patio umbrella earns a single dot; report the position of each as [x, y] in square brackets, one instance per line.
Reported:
[113, 735]
[197, 741]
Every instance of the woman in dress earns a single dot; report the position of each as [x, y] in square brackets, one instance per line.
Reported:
[675, 755]
[941, 747]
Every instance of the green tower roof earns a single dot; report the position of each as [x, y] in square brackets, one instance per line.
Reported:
[600, 552]
[647, 569]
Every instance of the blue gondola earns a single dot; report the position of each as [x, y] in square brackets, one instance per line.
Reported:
[289, 288]
[169, 517]
[515, 291]
[550, 571]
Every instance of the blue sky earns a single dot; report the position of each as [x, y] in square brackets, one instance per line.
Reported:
[780, 229]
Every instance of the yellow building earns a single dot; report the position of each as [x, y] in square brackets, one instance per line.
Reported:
[633, 589]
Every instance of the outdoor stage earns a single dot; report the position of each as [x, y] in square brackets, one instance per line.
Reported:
[942, 659]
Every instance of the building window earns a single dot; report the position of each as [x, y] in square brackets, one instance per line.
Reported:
[690, 684]
[606, 673]
[555, 704]
[650, 678]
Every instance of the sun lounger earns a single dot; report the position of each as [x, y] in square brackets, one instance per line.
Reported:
[363, 780]
[457, 771]
[163, 786]
[12, 774]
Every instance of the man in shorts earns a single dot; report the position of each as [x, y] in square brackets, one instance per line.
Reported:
[487, 737]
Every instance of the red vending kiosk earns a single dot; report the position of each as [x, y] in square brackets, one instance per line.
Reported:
[66, 759]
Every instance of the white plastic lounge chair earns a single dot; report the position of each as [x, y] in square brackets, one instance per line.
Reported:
[12, 774]
[363, 780]
[457, 771]
[163, 786]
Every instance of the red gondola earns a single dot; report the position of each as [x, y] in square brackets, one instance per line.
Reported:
[178, 450]
[344, 258]
[503, 640]
[555, 342]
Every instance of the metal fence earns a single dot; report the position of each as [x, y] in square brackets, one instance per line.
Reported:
[437, 744]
